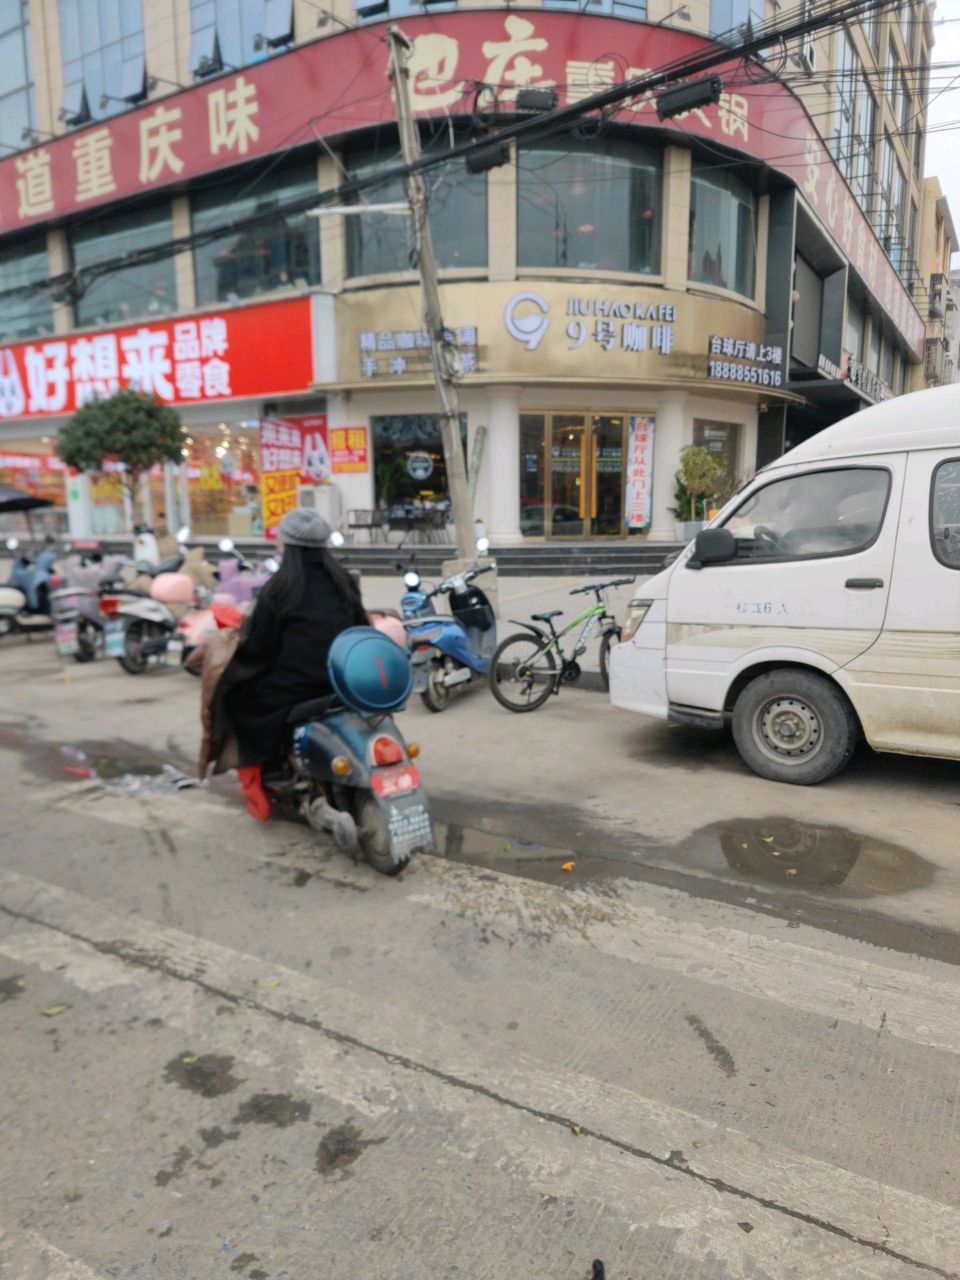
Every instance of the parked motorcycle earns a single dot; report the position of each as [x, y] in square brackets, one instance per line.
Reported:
[239, 577]
[25, 599]
[78, 618]
[349, 771]
[447, 652]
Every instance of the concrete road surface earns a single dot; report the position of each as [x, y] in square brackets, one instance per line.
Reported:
[227, 1051]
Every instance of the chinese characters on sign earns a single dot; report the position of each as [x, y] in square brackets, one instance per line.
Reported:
[629, 326]
[858, 375]
[212, 357]
[348, 450]
[639, 485]
[739, 360]
[394, 352]
[293, 452]
[280, 491]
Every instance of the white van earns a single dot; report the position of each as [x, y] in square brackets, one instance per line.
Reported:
[823, 601]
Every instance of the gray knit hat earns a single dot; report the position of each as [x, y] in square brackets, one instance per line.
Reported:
[304, 527]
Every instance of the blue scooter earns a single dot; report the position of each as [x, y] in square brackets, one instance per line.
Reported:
[448, 651]
[349, 771]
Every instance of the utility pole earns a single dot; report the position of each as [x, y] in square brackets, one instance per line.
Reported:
[442, 356]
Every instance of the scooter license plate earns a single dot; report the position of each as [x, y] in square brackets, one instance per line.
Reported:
[410, 827]
[66, 637]
[174, 653]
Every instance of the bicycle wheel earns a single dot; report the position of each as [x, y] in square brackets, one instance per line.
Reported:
[611, 637]
[522, 673]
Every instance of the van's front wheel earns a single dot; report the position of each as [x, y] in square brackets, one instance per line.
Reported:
[794, 726]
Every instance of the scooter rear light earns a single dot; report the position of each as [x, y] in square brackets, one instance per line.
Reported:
[396, 781]
[109, 605]
[340, 766]
[386, 750]
[56, 581]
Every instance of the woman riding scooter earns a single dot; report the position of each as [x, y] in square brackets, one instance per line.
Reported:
[282, 657]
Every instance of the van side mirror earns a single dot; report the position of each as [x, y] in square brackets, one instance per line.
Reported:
[713, 546]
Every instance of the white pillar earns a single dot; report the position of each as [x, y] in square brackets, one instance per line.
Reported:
[671, 433]
[501, 465]
[78, 506]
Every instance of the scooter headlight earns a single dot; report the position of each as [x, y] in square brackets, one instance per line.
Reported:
[412, 579]
[636, 613]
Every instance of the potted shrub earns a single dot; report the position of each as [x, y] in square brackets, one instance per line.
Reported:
[696, 483]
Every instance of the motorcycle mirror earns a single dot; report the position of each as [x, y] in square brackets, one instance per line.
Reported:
[336, 538]
[483, 545]
[226, 544]
[183, 533]
[12, 544]
[412, 579]
[271, 565]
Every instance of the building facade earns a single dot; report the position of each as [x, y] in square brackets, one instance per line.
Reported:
[936, 246]
[737, 277]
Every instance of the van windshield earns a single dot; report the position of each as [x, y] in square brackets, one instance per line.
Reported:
[822, 513]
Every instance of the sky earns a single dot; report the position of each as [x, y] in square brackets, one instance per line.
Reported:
[943, 145]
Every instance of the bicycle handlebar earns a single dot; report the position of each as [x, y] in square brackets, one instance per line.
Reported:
[602, 586]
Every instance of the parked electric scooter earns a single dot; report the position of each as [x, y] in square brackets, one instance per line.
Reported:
[78, 618]
[349, 771]
[142, 624]
[447, 652]
[25, 599]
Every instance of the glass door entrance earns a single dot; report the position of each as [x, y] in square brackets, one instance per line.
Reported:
[579, 492]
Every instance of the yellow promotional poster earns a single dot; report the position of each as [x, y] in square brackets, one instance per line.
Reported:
[280, 489]
[210, 477]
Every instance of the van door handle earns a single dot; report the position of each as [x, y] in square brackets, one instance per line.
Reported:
[863, 584]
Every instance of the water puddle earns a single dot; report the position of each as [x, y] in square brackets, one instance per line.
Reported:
[781, 853]
[119, 768]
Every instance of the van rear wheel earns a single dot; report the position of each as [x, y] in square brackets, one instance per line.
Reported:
[794, 726]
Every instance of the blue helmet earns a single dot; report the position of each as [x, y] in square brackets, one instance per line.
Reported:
[369, 672]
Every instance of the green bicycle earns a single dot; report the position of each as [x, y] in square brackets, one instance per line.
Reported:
[524, 670]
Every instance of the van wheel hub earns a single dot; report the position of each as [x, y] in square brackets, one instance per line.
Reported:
[788, 727]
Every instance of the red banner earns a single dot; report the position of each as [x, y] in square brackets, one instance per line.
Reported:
[342, 85]
[293, 452]
[245, 351]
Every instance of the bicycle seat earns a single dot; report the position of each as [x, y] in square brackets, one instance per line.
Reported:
[545, 617]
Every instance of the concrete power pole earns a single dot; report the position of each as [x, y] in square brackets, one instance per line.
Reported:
[441, 355]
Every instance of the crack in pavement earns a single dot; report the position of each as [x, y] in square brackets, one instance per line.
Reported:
[675, 1161]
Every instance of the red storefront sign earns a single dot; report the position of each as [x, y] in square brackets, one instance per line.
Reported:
[348, 450]
[293, 452]
[342, 85]
[246, 351]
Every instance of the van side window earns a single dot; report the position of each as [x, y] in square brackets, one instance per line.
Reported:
[822, 513]
[945, 514]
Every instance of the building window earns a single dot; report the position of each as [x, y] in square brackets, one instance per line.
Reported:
[890, 213]
[853, 337]
[863, 176]
[148, 288]
[635, 9]
[103, 55]
[278, 253]
[377, 10]
[595, 208]
[380, 244]
[18, 109]
[729, 17]
[723, 235]
[23, 315]
[225, 32]
[409, 468]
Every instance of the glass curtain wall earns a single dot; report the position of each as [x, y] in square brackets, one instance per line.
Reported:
[590, 207]
[24, 315]
[101, 43]
[18, 109]
[281, 252]
[148, 288]
[236, 25]
[723, 230]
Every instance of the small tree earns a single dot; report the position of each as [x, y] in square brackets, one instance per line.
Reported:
[130, 428]
[699, 472]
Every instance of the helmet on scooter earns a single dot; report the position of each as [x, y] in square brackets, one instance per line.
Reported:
[369, 672]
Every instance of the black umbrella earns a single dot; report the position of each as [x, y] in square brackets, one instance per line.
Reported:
[17, 500]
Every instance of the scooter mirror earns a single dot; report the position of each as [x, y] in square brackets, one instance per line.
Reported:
[412, 579]
[336, 538]
[12, 544]
[226, 544]
[183, 533]
[271, 565]
[483, 545]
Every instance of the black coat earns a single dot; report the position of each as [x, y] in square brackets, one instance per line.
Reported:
[290, 655]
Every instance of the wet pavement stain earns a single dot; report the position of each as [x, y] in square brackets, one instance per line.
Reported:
[165, 1176]
[11, 987]
[717, 1051]
[119, 767]
[243, 1260]
[216, 1136]
[278, 1109]
[341, 1147]
[208, 1074]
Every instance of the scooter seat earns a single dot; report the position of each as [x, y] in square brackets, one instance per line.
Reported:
[312, 709]
[545, 617]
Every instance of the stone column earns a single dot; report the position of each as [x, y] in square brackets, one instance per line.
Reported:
[671, 433]
[501, 465]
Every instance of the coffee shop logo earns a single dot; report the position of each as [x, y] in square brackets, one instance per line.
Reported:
[526, 317]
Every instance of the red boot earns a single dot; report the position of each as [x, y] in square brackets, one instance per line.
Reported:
[258, 802]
